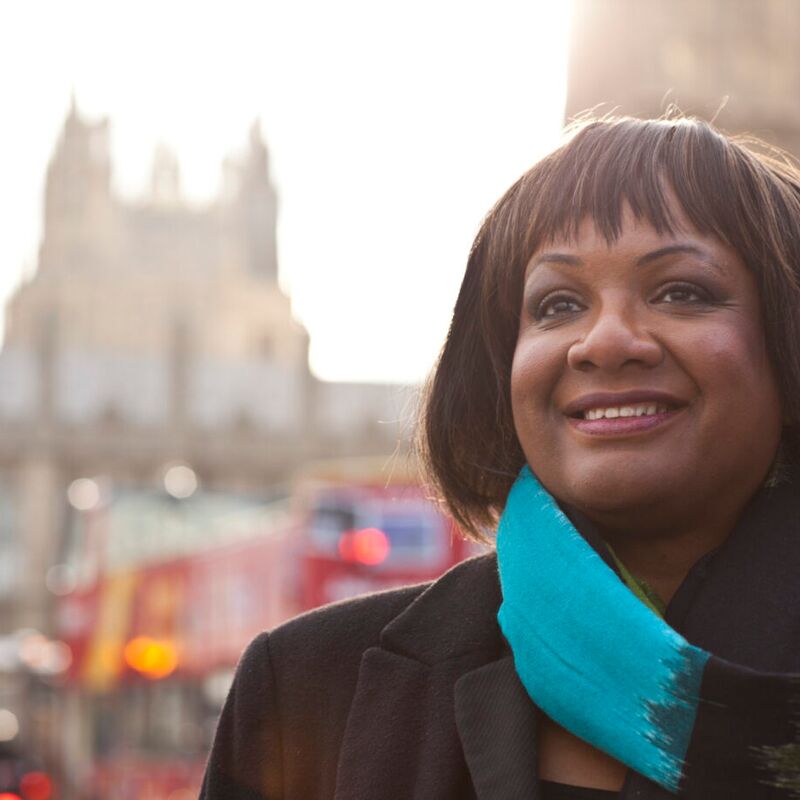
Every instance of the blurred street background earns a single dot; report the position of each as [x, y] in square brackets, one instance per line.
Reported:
[232, 239]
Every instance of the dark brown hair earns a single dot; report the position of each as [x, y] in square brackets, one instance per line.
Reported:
[740, 190]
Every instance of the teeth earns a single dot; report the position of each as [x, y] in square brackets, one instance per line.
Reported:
[625, 411]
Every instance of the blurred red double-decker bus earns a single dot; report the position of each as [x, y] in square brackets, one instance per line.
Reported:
[166, 594]
[363, 529]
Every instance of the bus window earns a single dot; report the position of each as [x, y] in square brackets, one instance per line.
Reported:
[328, 523]
[417, 536]
[416, 533]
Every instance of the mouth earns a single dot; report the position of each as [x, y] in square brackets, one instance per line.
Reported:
[626, 413]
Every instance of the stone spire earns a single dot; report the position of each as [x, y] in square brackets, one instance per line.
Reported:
[257, 207]
[77, 197]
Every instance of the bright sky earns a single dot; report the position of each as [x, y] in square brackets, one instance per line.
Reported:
[392, 127]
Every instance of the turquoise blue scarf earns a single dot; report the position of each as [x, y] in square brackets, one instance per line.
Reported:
[594, 658]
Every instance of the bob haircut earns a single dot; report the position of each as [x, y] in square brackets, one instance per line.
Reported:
[740, 190]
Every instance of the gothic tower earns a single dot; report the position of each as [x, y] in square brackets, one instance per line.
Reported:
[257, 206]
[78, 205]
[154, 331]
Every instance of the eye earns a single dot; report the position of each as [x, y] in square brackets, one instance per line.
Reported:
[683, 293]
[556, 305]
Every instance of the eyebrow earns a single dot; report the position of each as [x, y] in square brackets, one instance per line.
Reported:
[647, 258]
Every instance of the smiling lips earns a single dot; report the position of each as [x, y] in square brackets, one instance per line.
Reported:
[621, 414]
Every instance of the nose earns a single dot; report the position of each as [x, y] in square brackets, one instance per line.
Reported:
[614, 340]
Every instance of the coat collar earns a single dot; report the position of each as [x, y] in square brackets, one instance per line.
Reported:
[439, 699]
[438, 705]
[454, 617]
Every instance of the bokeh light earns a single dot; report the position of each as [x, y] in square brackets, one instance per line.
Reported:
[367, 546]
[83, 494]
[9, 725]
[153, 658]
[180, 481]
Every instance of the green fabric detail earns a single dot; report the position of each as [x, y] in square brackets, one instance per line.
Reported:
[639, 587]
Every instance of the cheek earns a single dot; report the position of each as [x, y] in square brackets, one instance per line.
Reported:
[527, 376]
[733, 353]
[535, 373]
[734, 372]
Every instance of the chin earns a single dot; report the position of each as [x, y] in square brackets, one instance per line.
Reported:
[620, 492]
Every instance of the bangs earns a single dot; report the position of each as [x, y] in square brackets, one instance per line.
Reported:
[644, 164]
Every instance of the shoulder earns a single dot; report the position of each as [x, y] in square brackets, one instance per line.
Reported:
[315, 657]
[318, 653]
[350, 627]
[284, 720]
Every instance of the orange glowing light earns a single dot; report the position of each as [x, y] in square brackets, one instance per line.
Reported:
[153, 658]
[367, 546]
[9, 796]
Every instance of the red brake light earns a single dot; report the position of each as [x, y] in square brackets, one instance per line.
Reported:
[34, 786]
[9, 796]
[366, 546]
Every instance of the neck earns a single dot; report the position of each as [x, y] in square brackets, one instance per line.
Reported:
[661, 557]
[662, 564]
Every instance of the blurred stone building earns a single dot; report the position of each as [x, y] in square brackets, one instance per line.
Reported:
[733, 60]
[151, 333]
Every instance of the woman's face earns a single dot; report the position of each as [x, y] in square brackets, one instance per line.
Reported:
[641, 381]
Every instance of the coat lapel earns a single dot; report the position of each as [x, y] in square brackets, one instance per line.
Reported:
[426, 709]
[497, 724]
[400, 740]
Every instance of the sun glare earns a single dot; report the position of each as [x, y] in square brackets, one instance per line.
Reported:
[392, 129]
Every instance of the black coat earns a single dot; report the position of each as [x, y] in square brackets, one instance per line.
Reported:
[413, 694]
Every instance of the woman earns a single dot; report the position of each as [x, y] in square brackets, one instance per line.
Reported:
[620, 389]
